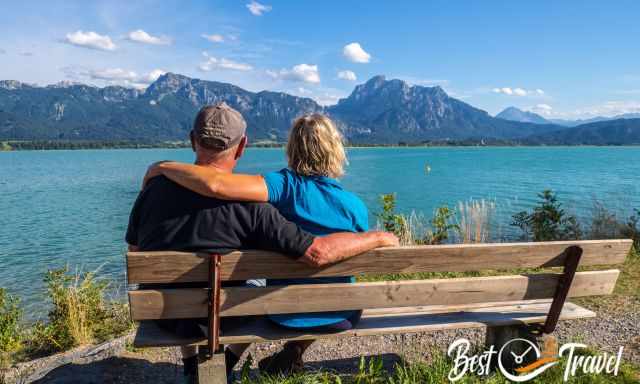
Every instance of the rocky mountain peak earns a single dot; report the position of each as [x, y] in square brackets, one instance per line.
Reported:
[515, 114]
[168, 83]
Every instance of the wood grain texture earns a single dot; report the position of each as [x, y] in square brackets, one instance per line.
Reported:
[190, 303]
[175, 267]
[377, 322]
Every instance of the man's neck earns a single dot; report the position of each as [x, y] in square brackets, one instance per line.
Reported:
[220, 166]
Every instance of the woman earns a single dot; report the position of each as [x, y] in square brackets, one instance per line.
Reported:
[307, 193]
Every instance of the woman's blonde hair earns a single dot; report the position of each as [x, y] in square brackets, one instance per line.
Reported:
[315, 147]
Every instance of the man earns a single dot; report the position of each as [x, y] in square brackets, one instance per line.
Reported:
[167, 216]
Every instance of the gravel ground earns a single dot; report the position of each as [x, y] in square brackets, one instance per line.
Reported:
[610, 330]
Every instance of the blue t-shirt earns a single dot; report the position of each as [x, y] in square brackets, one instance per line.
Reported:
[320, 206]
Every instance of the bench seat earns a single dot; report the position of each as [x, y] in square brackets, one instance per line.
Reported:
[383, 321]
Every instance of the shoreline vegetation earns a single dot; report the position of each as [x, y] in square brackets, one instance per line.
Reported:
[84, 310]
[30, 145]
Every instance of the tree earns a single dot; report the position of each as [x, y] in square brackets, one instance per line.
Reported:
[548, 221]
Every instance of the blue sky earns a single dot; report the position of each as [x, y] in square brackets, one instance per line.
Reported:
[559, 58]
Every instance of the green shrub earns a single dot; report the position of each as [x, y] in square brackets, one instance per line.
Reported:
[548, 221]
[631, 229]
[390, 220]
[441, 224]
[10, 326]
[411, 230]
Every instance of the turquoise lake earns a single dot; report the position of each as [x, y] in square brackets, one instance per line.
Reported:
[72, 207]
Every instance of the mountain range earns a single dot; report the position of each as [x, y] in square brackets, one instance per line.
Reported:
[515, 114]
[379, 111]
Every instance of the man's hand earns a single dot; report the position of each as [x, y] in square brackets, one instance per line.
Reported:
[388, 239]
[340, 246]
[153, 171]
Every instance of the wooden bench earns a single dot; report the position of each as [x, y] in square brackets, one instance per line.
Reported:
[492, 302]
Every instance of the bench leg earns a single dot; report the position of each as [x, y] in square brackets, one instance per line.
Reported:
[500, 336]
[213, 370]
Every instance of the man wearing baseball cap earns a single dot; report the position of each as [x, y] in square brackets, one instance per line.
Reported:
[167, 216]
[218, 127]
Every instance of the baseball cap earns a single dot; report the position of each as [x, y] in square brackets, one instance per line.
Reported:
[219, 126]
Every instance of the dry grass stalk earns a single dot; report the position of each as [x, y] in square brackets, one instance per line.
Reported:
[475, 217]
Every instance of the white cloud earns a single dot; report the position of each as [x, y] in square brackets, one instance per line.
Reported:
[542, 109]
[141, 36]
[354, 52]
[258, 9]
[303, 91]
[151, 76]
[606, 109]
[112, 74]
[327, 98]
[518, 91]
[305, 73]
[115, 76]
[505, 90]
[347, 75]
[611, 108]
[90, 40]
[214, 63]
[215, 38]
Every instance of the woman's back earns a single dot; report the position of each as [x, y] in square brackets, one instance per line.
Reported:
[318, 204]
[321, 206]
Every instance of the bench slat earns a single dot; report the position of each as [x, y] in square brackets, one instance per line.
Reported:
[377, 322]
[190, 303]
[179, 267]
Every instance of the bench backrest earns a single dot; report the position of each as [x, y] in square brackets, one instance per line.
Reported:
[164, 268]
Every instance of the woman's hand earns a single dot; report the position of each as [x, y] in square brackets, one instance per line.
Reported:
[153, 171]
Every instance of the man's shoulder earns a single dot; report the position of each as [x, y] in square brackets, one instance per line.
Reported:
[161, 185]
[165, 188]
[163, 182]
[161, 190]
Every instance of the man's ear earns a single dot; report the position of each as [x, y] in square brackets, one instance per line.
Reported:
[241, 146]
[193, 141]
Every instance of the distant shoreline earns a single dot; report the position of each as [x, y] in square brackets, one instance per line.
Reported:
[9, 146]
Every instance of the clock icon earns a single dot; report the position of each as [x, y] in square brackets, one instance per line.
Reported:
[517, 353]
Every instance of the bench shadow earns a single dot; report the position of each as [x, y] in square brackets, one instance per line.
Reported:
[114, 370]
[346, 366]
[350, 365]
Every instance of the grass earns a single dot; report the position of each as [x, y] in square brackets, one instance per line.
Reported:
[626, 295]
[371, 371]
[475, 220]
[80, 314]
[11, 333]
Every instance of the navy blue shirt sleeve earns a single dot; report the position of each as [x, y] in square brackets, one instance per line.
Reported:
[273, 232]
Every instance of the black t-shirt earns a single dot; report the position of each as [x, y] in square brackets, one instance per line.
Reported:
[167, 216]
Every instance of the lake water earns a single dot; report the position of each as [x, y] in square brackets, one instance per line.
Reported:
[72, 207]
